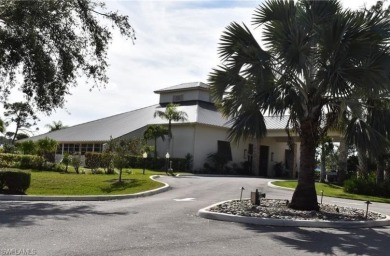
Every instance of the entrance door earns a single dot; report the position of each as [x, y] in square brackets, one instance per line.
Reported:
[263, 161]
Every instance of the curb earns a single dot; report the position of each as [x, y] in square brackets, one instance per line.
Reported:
[207, 214]
[166, 187]
[269, 184]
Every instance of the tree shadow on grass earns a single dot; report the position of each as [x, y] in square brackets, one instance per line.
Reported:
[19, 214]
[116, 186]
[354, 241]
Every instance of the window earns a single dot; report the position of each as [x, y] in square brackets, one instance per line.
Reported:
[77, 148]
[98, 148]
[59, 149]
[225, 150]
[178, 98]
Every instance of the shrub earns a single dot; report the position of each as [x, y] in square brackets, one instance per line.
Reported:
[66, 160]
[30, 162]
[16, 181]
[28, 147]
[92, 160]
[106, 162]
[9, 148]
[46, 148]
[367, 187]
[76, 162]
[1, 180]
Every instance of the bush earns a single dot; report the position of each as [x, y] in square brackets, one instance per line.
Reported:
[1, 180]
[367, 187]
[15, 181]
[93, 160]
[30, 162]
[76, 162]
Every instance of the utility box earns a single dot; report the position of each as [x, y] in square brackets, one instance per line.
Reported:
[256, 197]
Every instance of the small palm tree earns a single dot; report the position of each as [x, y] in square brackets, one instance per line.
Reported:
[55, 126]
[154, 132]
[171, 114]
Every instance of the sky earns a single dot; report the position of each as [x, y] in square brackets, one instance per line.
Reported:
[177, 42]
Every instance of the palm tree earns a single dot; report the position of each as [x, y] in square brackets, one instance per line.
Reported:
[171, 114]
[317, 63]
[55, 126]
[154, 132]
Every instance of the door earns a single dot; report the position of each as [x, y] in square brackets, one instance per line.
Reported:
[263, 161]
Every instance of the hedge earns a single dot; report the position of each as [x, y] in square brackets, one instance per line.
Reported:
[20, 161]
[94, 160]
[15, 181]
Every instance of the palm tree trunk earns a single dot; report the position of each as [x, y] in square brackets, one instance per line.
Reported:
[363, 164]
[304, 197]
[387, 175]
[323, 164]
[380, 170]
[342, 162]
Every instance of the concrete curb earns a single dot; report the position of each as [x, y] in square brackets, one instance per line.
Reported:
[207, 214]
[87, 198]
[269, 184]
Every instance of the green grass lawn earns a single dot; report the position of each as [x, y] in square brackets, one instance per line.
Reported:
[333, 191]
[55, 183]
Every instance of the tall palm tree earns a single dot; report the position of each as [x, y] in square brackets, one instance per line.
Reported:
[55, 126]
[317, 62]
[171, 114]
[154, 132]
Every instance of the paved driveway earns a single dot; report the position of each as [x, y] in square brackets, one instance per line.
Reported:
[166, 224]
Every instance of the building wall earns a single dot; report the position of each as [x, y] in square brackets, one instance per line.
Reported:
[202, 95]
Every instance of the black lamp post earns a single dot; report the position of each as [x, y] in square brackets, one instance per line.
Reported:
[144, 155]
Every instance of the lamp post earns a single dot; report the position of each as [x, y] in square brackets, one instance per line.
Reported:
[144, 156]
[167, 161]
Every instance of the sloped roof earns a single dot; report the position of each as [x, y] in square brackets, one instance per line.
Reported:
[122, 124]
[184, 86]
[276, 122]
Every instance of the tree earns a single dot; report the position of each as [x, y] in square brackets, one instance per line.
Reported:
[326, 148]
[50, 43]
[22, 115]
[171, 114]
[76, 162]
[121, 149]
[318, 62]
[66, 160]
[27, 147]
[154, 132]
[47, 148]
[21, 136]
[55, 126]
[2, 126]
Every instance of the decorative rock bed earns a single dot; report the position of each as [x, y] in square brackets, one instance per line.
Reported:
[277, 209]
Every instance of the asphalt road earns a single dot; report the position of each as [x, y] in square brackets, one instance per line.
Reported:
[166, 224]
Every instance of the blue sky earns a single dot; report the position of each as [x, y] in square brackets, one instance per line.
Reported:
[176, 42]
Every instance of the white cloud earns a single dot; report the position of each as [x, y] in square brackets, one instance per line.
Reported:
[176, 42]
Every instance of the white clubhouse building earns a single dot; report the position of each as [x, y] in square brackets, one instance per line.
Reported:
[204, 132]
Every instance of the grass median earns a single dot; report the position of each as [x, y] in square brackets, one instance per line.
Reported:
[332, 190]
[55, 183]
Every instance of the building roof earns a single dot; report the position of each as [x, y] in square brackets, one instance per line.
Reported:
[116, 126]
[119, 125]
[184, 87]
[276, 122]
